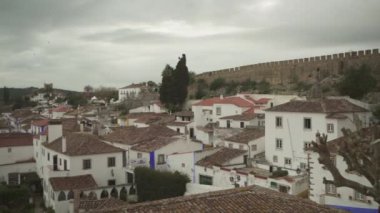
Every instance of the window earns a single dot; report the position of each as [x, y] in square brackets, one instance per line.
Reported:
[205, 180]
[183, 165]
[87, 164]
[279, 122]
[330, 128]
[48, 156]
[359, 196]
[230, 145]
[111, 182]
[307, 123]
[60, 161]
[9, 149]
[330, 189]
[275, 158]
[307, 145]
[241, 124]
[254, 147]
[288, 161]
[64, 165]
[302, 165]
[178, 130]
[278, 143]
[111, 162]
[241, 146]
[218, 111]
[139, 155]
[161, 159]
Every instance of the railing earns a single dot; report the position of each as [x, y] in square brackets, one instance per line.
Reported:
[56, 173]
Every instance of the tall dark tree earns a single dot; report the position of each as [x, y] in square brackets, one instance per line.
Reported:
[6, 95]
[173, 90]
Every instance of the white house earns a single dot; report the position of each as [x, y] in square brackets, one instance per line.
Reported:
[154, 152]
[210, 111]
[247, 118]
[342, 197]
[251, 139]
[59, 112]
[290, 128]
[16, 156]
[131, 91]
[77, 162]
[154, 107]
[182, 122]
[222, 168]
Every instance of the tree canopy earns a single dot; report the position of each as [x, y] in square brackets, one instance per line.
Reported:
[173, 89]
[155, 185]
[361, 152]
[357, 82]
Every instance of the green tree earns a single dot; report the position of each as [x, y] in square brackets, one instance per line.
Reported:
[357, 82]
[6, 95]
[173, 90]
[263, 87]
[75, 99]
[155, 185]
[217, 84]
[248, 85]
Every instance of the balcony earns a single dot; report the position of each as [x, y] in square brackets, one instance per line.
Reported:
[54, 172]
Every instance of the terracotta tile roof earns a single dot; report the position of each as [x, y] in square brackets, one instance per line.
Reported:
[151, 118]
[81, 144]
[41, 122]
[237, 101]
[155, 144]
[245, 199]
[185, 114]
[133, 135]
[61, 109]
[102, 205]
[16, 139]
[73, 182]
[323, 106]
[241, 117]
[336, 116]
[70, 125]
[177, 123]
[247, 135]
[140, 85]
[220, 157]
[20, 113]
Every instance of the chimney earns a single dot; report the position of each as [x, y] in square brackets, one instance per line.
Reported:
[54, 130]
[221, 96]
[63, 144]
[81, 126]
[76, 201]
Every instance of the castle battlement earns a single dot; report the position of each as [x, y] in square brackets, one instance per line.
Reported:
[279, 71]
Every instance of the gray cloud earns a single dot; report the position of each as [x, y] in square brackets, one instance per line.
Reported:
[114, 43]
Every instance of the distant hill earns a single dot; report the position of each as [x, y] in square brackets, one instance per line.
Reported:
[17, 93]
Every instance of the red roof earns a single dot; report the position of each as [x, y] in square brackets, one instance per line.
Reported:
[16, 139]
[43, 122]
[61, 109]
[262, 101]
[237, 101]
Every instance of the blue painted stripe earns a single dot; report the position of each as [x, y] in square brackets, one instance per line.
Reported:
[354, 209]
[152, 160]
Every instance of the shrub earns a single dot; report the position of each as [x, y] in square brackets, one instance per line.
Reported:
[154, 185]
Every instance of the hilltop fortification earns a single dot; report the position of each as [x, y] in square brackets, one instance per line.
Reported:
[304, 69]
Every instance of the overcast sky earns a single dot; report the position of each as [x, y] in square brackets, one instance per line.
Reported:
[118, 42]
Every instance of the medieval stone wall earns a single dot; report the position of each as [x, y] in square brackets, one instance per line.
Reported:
[304, 69]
